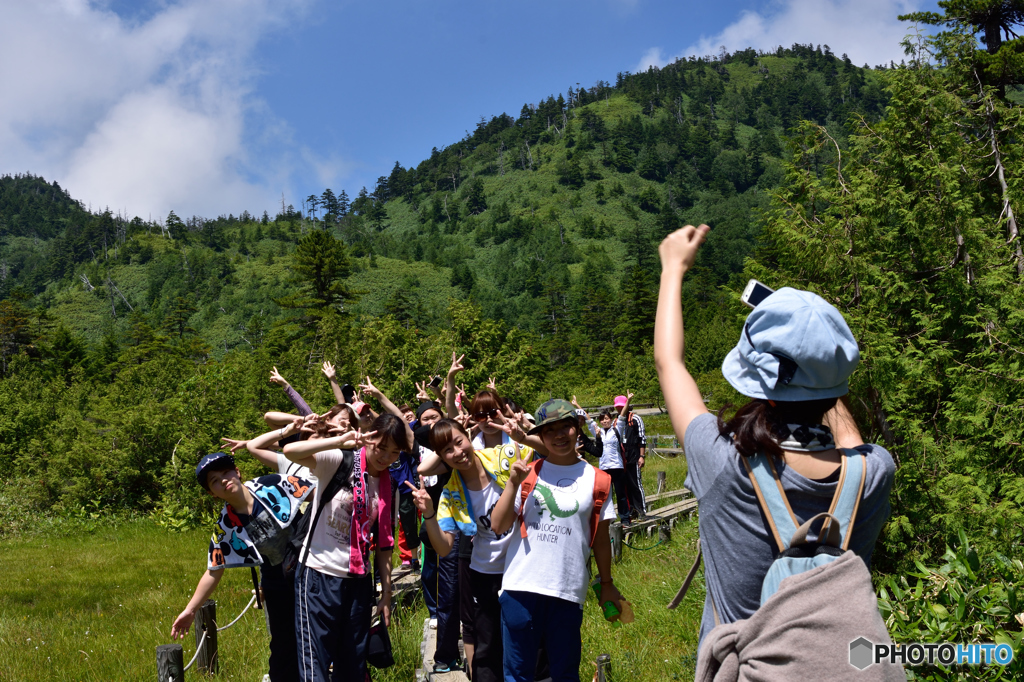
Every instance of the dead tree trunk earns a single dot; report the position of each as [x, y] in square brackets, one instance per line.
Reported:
[1011, 220]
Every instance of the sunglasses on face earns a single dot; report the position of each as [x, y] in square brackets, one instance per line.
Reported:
[488, 414]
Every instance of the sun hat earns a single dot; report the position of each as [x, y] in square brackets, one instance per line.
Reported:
[794, 346]
[552, 411]
[620, 400]
[217, 461]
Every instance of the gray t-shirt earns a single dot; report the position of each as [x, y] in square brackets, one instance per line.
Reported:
[735, 536]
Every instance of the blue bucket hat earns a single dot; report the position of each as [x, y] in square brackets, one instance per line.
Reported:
[218, 461]
[794, 346]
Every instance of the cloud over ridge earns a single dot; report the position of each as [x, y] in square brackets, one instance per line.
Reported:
[866, 30]
[144, 116]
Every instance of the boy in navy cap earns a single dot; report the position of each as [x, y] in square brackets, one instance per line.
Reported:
[254, 529]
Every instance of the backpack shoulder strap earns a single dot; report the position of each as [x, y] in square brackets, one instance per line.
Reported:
[846, 501]
[524, 493]
[772, 498]
[602, 489]
[339, 479]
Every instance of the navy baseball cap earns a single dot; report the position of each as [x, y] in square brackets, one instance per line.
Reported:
[218, 461]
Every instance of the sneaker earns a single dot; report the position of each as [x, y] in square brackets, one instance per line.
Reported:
[406, 562]
[441, 668]
[433, 623]
[416, 565]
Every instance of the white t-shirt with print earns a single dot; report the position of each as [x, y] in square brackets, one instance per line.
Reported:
[330, 542]
[488, 549]
[286, 467]
[552, 560]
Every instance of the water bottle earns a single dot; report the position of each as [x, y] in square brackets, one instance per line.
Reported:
[611, 613]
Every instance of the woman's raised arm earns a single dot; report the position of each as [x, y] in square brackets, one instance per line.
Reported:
[682, 396]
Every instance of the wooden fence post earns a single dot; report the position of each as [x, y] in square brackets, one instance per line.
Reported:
[604, 669]
[615, 531]
[206, 621]
[661, 482]
[170, 663]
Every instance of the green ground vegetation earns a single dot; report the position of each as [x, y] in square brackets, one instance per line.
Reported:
[91, 599]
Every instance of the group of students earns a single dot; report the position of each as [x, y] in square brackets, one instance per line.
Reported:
[471, 469]
[509, 512]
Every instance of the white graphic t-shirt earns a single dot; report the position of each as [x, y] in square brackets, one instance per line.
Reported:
[552, 560]
[330, 547]
[488, 549]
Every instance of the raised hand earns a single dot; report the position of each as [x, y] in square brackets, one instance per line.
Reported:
[328, 370]
[364, 439]
[679, 249]
[519, 470]
[421, 391]
[421, 498]
[575, 404]
[276, 378]
[367, 388]
[492, 383]
[232, 444]
[456, 365]
[310, 424]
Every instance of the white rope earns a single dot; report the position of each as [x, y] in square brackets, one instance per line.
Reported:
[199, 647]
[251, 601]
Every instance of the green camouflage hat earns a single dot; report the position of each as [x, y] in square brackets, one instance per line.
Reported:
[552, 411]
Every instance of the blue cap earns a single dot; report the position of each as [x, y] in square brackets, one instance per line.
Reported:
[794, 346]
[218, 461]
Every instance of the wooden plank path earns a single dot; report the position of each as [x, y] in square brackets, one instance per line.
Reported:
[405, 583]
[663, 519]
[682, 492]
[429, 644]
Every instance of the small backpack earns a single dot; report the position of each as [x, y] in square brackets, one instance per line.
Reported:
[836, 603]
[602, 489]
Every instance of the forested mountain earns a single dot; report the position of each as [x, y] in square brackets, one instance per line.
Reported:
[547, 221]
[128, 347]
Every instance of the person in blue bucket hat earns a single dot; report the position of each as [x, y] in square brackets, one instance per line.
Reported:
[794, 359]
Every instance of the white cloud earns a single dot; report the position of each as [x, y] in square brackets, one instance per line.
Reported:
[146, 116]
[866, 30]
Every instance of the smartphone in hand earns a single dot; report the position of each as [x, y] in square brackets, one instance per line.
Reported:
[755, 293]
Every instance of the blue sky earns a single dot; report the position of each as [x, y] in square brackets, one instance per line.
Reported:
[215, 106]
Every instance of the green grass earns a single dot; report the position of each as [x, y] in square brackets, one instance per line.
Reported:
[95, 605]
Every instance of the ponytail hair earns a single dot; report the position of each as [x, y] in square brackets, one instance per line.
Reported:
[758, 425]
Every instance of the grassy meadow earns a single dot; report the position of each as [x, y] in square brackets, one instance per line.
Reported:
[94, 603]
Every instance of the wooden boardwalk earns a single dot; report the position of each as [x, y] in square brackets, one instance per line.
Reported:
[425, 672]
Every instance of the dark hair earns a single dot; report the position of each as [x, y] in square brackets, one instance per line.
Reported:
[484, 401]
[606, 413]
[405, 407]
[757, 425]
[443, 432]
[390, 427]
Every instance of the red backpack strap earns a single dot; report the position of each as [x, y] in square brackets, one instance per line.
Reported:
[602, 489]
[524, 493]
